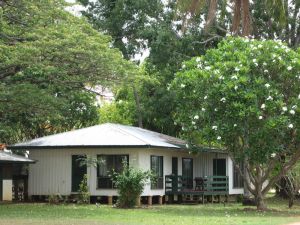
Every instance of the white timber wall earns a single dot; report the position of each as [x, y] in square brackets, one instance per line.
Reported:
[52, 174]
[232, 191]
[7, 190]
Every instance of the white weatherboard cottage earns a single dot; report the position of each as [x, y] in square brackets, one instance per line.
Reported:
[57, 168]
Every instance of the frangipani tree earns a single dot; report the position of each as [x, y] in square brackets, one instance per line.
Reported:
[244, 96]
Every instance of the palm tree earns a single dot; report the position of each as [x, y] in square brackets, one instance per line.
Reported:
[241, 16]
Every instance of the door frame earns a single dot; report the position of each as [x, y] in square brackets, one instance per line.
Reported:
[190, 185]
[72, 175]
[175, 159]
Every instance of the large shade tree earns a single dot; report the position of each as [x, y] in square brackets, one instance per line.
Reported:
[49, 59]
[244, 97]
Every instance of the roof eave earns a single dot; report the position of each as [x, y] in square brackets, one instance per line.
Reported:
[28, 147]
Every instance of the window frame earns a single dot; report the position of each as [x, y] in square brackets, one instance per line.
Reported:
[108, 178]
[160, 179]
[236, 175]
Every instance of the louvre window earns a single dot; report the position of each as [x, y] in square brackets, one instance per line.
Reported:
[108, 164]
[157, 169]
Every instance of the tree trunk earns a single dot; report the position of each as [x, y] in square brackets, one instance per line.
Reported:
[247, 200]
[138, 107]
[260, 204]
[259, 196]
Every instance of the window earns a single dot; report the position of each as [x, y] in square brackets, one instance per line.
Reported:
[157, 168]
[107, 165]
[187, 173]
[237, 178]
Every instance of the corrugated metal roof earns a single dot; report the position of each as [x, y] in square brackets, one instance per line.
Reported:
[104, 135]
[7, 157]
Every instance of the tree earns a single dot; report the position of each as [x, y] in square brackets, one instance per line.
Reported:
[244, 97]
[49, 58]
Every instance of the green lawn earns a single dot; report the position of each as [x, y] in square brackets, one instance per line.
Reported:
[231, 213]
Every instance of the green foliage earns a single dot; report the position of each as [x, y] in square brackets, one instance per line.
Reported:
[48, 59]
[244, 95]
[130, 184]
[83, 192]
[121, 112]
[54, 198]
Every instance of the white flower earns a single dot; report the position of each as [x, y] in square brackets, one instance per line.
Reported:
[267, 85]
[199, 66]
[203, 109]
[254, 60]
[234, 125]
[196, 117]
[186, 145]
[219, 138]
[175, 123]
[266, 71]
[256, 64]
[207, 67]
[270, 98]
[273, 155]
[264, 63]
[183, 66]
[182, 85]
[216, 110]
[260, 117]
[182, 128]
[259, 46]
[263, 106]
[193, 122]
[198, 59]
[235, 87]
[284, 108]
[205, 97]
[234, 77]
[294, 107]
[214, 127]
[221, 78]
[299, 96]
[292, 112]
[237, 69]
[291, 125]
[289, 68]
[223, 99]
[217, 71]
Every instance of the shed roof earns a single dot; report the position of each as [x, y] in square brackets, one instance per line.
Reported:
[7, 157]
[104, 135]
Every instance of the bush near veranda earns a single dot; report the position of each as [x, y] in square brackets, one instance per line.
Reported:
[244, 96]
[130, 184]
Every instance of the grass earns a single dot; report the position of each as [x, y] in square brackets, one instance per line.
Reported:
[208, 214]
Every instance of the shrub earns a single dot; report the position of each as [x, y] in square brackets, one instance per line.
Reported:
[84, 194]
[130, 184]
[54, 198]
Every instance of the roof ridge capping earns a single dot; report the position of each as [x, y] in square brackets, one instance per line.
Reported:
[163, 137]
